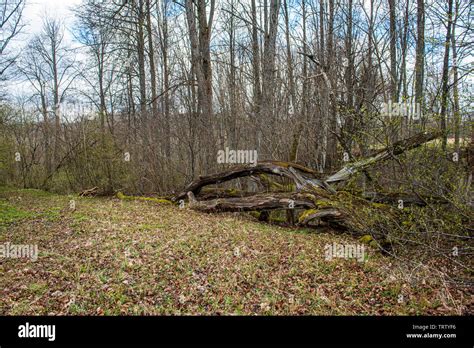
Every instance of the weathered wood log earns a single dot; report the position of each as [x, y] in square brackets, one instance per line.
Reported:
[343, 210]
[303, 177]
[331, 214]
[89, 192]
[258, 202]
[396, 149]
[313, 194]
[274, 201]
[216, 192]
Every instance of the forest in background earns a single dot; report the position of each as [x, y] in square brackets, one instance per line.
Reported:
[348, 118]
[151, 91]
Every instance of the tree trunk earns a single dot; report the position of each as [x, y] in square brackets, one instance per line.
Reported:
[151, 58]
[445, 78]
[456, 111]
[269, 53]
[420, 53]
[257, 92]
[393, 51]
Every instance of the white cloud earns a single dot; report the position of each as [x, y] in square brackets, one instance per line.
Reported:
[36, 10]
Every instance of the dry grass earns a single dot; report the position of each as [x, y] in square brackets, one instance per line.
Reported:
[115, 257]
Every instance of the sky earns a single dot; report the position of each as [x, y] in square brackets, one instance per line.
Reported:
[35, 10]
[33, 14]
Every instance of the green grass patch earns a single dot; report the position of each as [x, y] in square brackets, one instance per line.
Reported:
[10, 214]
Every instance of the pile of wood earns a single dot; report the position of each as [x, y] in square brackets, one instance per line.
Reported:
[314, 197]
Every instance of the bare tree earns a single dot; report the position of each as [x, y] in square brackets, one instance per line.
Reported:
[445, 77]
[393, 50]
[51, 74]
[199, 35]
[420, 52]
[268, 62]
[10, 26]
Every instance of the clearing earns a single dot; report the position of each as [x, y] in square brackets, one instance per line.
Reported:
[108, 256]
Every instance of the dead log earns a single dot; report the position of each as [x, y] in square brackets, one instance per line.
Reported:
[307, 179]
[216, 192]
[342, 210]
[315, 207]
[304, 178]
[330, 214]
[313, 193]
[89, 192]
[257, 202]
[396, 149]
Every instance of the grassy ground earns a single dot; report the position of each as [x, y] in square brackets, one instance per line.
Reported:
[111, 256]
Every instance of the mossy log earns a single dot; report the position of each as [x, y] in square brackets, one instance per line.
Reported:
[332, 214]
[257, 202]
[304, 178]
[353, 214]
[313, 193]
[395, 149]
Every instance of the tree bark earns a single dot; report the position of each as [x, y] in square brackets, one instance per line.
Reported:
[300, 175]
[445, 78]
[393, 50]
[456, 110]
[420, 53]
[396, 149]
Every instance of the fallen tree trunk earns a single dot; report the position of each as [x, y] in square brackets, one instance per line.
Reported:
[313, 194]
[330, 214]
[396, 149]
[89, 192]
[313, 207]
[303, 177]
[257, 202]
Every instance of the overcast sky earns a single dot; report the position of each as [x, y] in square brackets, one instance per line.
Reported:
[36, 9]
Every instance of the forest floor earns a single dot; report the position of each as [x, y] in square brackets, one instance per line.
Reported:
[109, 257]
